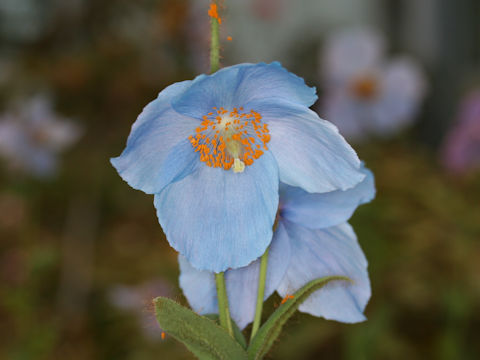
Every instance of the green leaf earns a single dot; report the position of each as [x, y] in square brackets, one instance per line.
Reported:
[202, 336]
[236, 330]
[269, 332]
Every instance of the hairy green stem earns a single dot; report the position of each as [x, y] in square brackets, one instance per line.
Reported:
[260, 293]
[223, 311]
[214, 45]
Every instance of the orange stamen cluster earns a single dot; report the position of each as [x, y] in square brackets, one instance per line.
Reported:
[286, 298]
[213, 13]
[230, 138]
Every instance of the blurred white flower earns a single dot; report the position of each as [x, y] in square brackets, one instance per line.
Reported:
[366, 94]
[32, 135]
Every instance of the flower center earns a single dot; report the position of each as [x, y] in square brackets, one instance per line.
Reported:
[230, 139]
[365, 88]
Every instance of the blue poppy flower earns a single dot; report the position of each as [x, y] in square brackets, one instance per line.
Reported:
[312, 240]
[213, 151]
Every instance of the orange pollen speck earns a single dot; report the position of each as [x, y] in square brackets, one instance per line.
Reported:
[286, 298]
[229, 38]
[213, 13]
[230, 139]
[163, 335]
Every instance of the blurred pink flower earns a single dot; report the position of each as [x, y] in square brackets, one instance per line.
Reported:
[32, 135]
[461, 149]
[365, 93]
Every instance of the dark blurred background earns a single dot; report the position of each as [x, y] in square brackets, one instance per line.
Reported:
[82, 254]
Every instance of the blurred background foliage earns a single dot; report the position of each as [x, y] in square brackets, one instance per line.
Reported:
[82, 254]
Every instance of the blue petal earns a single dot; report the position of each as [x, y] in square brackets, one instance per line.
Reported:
[319, 253]
[310, 152]
[240, 84]
[219, 219]
[242, 284]
[317, 211]
[181, 161]
[198, 287]
[156, 132]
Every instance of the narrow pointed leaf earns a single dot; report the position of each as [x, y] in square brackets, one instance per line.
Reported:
[202, 336]
[269, 332]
